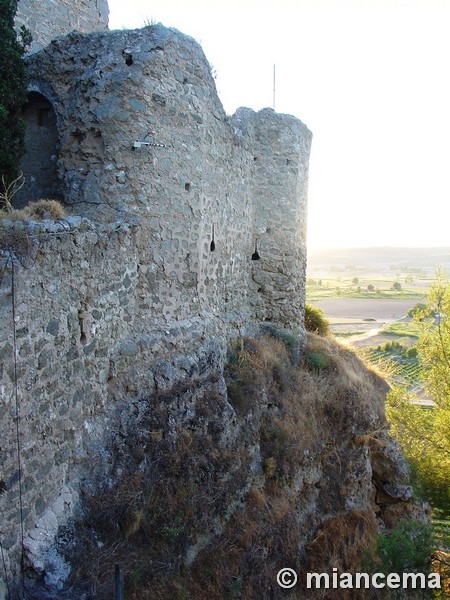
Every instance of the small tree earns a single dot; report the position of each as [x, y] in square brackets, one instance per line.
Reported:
[397, 286]
[370, 287]
[13, 91]
[417, 311]
[355, 281]
[425, 434]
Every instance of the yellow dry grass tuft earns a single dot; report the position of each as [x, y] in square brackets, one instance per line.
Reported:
[35, 211]
[45, 209]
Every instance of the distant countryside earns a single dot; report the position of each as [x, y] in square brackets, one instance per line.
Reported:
[363, 289]
[370, 298]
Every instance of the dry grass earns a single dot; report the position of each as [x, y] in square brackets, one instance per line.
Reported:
[200, 485]
[16, 243]
[441, 565]
[35, 211]
[343, 542]
[349, 383]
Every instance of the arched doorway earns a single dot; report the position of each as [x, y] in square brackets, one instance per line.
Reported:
[39, 163]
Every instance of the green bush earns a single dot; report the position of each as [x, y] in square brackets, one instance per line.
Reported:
[417, 310]
[407, 548]
[411, 352]
[315, 320]
[317, 360]
[286, 336]
[13, 90]
[392, 347]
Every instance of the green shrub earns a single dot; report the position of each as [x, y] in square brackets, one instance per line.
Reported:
[316, 360]
[392, 347]
[411, 352]
[407, 548]
[417, 309]
[283, 335]
[315, 320]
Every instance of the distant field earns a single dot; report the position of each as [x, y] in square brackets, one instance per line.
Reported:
[402, 329]
[412, 260]
[380, 310]
[373, 273]
[370, 287]
[367, 304]
[369, 322]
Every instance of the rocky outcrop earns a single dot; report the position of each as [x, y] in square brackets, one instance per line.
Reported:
[217, 482]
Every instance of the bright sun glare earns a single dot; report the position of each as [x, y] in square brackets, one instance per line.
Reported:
[368, 77]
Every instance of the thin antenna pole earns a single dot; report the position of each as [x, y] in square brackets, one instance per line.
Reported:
[273, 87]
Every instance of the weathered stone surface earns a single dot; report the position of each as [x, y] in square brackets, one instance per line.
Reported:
[49, 18]
[39, 541]
[388, 463]
[243, 180]
[129, 297]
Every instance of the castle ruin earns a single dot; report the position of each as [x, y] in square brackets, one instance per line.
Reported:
[187, 229]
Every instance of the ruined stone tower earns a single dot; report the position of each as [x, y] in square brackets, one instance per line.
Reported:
[130, 123]
[188, 228]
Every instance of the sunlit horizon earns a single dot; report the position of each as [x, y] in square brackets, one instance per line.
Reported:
[368, 79]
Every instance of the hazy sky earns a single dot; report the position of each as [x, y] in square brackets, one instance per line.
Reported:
[370, 78]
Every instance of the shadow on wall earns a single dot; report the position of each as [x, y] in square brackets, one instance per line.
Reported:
[39, 164]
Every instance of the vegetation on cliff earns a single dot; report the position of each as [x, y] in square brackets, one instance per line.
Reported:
[425, 433]
[423, 430]
[211, 497]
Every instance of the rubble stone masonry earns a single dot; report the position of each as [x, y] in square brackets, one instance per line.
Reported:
[154, 270]
[47, 19]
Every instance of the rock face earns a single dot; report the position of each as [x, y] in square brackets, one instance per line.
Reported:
[211, 486]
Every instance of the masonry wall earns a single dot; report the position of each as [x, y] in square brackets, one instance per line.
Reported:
[128, 295]
[75, 290]
[47, 19]
[280, 146]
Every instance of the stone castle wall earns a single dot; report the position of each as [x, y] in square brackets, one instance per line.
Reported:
[129, 295]
[48, 19]
[243, 178]
[76, 291]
